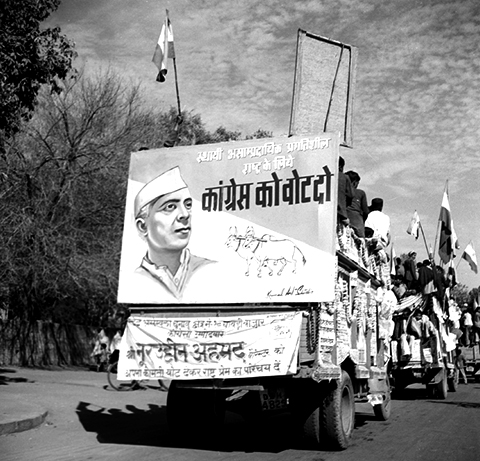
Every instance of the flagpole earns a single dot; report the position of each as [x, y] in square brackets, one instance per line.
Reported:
[174, 59]
[431, 257]
[179, 119]
[460, 259]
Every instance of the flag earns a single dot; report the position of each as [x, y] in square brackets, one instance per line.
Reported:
[455, 242]
[446, 244]
[414, 225]
[470, 256]
[164, 50]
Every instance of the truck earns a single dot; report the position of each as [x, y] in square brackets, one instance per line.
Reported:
[423, 346]
[472, 361]
[273, 306]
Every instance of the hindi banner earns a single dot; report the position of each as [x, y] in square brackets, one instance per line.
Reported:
[210, 347]
[235, 222]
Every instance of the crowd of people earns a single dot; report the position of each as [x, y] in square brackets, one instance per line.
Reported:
[412, 277]
[470, 325]
[371, 223]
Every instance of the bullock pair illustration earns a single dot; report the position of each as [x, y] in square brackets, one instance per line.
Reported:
[270, 253]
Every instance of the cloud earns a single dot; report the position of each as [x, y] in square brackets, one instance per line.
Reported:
[416, 114]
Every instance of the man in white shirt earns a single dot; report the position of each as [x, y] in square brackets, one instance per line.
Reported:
[467, 326]
[379, 223]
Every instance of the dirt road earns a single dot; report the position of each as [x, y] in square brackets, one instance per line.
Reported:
[87, 420]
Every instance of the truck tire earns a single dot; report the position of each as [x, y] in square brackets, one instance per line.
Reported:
[338, 413]
[306, 407]
[194, 415]
[312, 428]
[398, 385]
[384, 410]
[453, 382]
[179, 405]
[441, 388]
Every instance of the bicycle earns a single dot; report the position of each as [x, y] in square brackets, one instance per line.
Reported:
[115, 383]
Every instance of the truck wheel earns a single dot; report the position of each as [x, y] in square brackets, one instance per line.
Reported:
[194, 414]
[312, 428]
[430, 388]
[179, 405]
[306, 407]
[338, 413]
[398, 386]
[442, 387]
[453, 381]
[383, 410]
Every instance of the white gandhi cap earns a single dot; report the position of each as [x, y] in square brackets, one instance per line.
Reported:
[166, 183]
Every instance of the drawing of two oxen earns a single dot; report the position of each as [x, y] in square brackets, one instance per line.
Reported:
[271, 255]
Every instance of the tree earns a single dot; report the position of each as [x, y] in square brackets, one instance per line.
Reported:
[221, 134]
[473, 296]
[161, 129]
[460, 294]
[29, 58]
[259, 134]
[64, 182]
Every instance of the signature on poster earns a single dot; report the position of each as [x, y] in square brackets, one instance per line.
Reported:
[270, 254]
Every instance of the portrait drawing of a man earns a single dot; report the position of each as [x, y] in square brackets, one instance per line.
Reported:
[163, 219]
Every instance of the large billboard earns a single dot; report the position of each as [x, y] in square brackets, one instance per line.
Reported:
[228, 223]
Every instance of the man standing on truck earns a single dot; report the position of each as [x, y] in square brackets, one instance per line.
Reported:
[163, 217]
[345, 193]
[358, 210]
[411, 274]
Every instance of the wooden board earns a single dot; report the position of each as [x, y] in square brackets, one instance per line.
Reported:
[324, 87]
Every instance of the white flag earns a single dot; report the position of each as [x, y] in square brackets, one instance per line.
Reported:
[414, 225]
[470, 256]
[164, 50]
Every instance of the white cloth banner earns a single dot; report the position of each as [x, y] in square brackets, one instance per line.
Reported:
[210, 347]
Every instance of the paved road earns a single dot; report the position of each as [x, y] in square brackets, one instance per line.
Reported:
[87, 420]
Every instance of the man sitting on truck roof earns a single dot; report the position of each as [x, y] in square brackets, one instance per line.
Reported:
[379, 223]
[163, 217]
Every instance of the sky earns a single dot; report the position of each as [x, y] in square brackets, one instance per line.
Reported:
[416, 114]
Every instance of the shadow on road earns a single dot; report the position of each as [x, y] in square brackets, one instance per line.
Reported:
[134, 426]
[129, 426]
[458, 404]
[4, 380]
[410, 393]
[361, 419]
